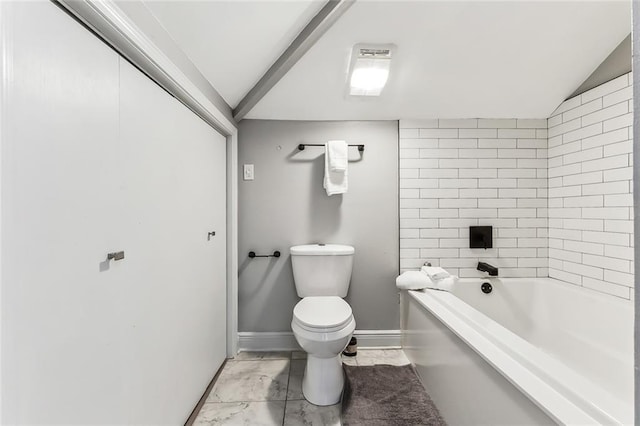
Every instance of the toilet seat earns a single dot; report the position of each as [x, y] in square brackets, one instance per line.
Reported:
[322, 314]
[323, 326]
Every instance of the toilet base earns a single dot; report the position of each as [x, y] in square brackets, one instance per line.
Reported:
[323, 380]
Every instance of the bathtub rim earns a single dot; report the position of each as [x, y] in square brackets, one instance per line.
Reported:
[552, 393]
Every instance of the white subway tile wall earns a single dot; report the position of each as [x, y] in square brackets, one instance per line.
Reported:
[590, 189]
[557, 191]
[463, 172]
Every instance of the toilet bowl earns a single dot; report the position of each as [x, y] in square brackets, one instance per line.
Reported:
[322, 321]
[323, 326]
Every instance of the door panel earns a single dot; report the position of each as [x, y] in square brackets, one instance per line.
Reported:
[172, 200]
[61, 343]
[97, 158]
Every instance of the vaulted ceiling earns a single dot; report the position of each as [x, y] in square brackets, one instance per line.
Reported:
[233, 43]
[453, 59]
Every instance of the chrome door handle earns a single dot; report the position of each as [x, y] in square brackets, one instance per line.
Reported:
[118, 255]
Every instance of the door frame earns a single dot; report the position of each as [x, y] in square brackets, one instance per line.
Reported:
[232, 244]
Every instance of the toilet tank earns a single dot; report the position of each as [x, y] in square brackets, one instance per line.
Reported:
[322, 269]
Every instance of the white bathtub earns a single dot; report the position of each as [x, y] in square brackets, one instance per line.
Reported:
[533, 351]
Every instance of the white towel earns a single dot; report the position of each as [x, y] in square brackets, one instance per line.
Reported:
[338, 155]
[418, 280]
[334, 182]
[435, 273]
[413, 280]
[445, 284]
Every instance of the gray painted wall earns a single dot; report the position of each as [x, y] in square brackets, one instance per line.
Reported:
[286, 205]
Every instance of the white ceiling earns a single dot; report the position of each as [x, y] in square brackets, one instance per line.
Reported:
[233, 43]
[453, 59]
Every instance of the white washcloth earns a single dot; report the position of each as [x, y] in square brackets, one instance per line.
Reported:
[445, 284]
[334, 182]
[338, 155]
[435, 273]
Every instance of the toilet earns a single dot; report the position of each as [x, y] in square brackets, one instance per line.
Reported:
[322, 321]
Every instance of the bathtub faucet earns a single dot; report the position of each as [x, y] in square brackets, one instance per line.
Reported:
[485, 267]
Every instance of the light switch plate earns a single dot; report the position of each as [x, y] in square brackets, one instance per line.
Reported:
[247, 172]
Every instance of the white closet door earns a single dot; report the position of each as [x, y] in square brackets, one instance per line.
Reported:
[97, 158]
[61, 348]
[173, 169]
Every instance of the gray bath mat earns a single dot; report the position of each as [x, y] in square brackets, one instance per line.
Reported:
[386, 395]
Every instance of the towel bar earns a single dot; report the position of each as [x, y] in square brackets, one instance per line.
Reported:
[303, 145]
[252, 254]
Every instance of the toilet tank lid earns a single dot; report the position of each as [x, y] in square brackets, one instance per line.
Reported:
[322, 250]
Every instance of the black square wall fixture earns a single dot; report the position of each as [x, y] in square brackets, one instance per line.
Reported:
[481, 237]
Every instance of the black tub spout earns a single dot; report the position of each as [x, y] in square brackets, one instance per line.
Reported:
[485, 267]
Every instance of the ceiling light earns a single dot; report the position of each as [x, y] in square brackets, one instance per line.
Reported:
[369, 69]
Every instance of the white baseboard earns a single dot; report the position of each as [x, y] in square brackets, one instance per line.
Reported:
[285, 341]
[379, 339]
[249, 341]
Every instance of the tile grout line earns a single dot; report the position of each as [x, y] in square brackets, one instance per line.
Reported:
[286, 394]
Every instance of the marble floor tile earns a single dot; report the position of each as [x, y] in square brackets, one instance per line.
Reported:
[297, 367]
[304, 413]
[299, 355]
[244, 356]
[267, 413]
[259, 380]
[294, 390]
[381, 356]
[265, 388]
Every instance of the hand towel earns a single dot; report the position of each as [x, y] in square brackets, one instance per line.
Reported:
[334, 182]
[338, 155]
[435, 273]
